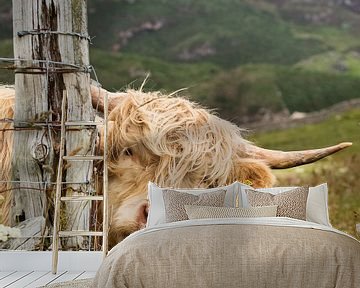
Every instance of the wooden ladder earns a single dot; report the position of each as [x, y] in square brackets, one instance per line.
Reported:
[57, 233]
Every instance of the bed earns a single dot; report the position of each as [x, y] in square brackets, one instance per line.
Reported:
[234, 252]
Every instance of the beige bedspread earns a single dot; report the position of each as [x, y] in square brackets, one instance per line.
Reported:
[233, 255]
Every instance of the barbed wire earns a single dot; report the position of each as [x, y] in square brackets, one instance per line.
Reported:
[49, 32]
[44, 189]
[42, 182]
[31, 69]
[21, 188]
[49, 67]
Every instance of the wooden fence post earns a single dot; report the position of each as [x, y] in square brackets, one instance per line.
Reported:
[50, 31]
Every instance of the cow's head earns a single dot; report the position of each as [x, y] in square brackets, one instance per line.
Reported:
[176, 143]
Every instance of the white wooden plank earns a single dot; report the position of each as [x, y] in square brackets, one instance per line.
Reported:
[41, 260]
[44, 280]
[28, 279]
[80, 233]
[86, 275]
[83, 158]
[12, 278]
[37, 280]
[4, 274]
[83, 123]
[82, 198]
[80, 261]
[68, 276]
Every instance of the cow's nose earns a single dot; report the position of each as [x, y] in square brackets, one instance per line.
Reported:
[142, 214]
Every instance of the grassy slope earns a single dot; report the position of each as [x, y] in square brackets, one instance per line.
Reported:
[234, 93]
[238, 33]
[343, 57]
[260, 60]
[249, 89]
[117, 71]
[341, 171]
[6, 50]
[252, 36]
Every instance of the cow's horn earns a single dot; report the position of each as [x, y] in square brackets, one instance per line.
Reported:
[98, 96]
[280, 160]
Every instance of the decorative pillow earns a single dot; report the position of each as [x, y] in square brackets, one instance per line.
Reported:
[201, 212]
[175, 202]
[157, 208]
[317, 202]
[290, 203]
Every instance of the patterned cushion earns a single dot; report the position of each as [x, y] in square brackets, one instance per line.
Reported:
[290, 204]
[157, 207]
[175, 201]
[201, 212]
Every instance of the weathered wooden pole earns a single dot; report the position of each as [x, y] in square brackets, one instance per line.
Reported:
[54, 32]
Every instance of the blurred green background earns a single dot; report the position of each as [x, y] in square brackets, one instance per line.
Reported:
[255, 62]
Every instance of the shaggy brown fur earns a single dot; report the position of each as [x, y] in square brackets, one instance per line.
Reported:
[6, 140]
[168, 140]
[174, 143]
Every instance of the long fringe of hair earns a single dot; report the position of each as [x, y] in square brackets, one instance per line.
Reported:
[193, 146]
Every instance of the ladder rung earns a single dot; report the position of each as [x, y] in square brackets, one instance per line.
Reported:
[83, 123]
[82, 198]
[81, 157]
[80, 233]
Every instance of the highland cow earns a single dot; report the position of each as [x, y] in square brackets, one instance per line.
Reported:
[172, 142]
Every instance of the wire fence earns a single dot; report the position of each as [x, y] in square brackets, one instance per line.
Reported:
[43, 124]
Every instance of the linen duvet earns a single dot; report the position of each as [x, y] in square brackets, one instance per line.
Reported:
[234, 252]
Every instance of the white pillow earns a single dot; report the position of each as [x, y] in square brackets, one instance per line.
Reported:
[157, 208]
[317, 202]
[203, 212]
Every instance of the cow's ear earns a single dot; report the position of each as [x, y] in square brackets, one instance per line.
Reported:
[98, 95]
[253, 171]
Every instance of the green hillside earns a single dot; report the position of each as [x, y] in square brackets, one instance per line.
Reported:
[236, 56]
[341, 171]
[228, 34]
[250, 89]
